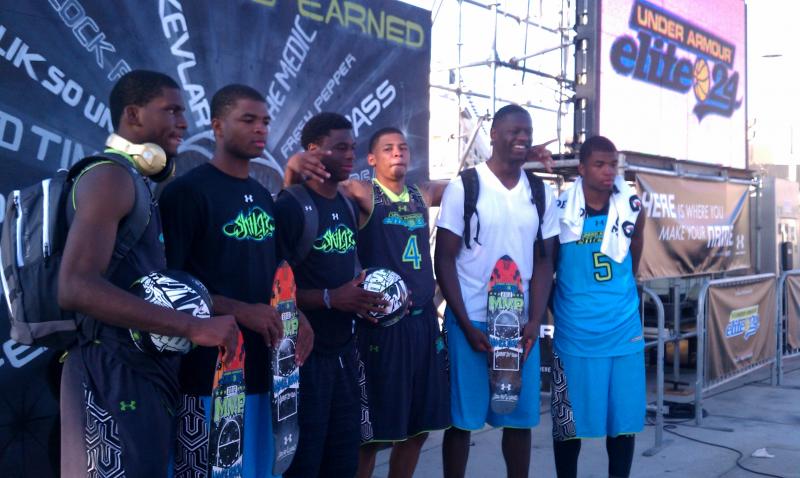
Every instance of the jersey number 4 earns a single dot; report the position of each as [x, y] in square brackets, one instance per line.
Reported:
[602, 266]
[411, 252]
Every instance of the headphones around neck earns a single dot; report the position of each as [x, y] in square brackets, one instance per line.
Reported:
[148, 158]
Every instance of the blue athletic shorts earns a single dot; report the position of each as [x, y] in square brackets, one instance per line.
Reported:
[469, 384]
[191, 446]
[598, 396]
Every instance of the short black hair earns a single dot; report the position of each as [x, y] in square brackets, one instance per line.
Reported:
[137, 87]
[508, 110]
[596, 143]
[320, 125]
[373, 140]
[227, 96]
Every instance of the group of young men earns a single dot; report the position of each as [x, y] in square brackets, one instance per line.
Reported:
[362, 386]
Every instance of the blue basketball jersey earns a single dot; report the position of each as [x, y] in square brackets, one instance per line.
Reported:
[595, 303]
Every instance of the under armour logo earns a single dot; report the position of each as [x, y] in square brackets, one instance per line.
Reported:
[248, 198]
[335, 216]
[307, 208]
[740, 241]
[124, 407]
[505, 387]
[374, 348]
[288, 439]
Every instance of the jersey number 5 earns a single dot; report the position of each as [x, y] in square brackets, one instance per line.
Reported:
[602, 265]
[411, 252]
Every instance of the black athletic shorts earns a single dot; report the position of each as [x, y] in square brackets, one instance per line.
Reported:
[407, 386]
[329, 416]
[115, 421]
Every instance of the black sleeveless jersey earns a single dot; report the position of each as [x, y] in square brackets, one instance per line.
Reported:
[397, 237]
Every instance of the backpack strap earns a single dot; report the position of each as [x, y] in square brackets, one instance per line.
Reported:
[133, 226]
[354, 216]
[310, 221]
[537, 198]
[469, 178]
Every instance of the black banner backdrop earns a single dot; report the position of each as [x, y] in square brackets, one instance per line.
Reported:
[366, 59]
[693, 226]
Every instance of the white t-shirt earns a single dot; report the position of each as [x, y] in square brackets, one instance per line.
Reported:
[509, 224]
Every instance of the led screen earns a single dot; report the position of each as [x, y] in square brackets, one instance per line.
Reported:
[672, 78]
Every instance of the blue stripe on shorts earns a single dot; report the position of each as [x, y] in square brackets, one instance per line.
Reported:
[607, 394]
[258, 440]
[469, 384]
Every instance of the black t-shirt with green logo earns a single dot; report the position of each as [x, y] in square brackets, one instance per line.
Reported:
[221, 229]
[330, 263]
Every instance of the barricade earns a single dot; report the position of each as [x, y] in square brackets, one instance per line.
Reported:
[659, 344]
[736, 323]
[788, 330]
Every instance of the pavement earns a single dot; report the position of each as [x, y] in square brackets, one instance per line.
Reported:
[745, 415]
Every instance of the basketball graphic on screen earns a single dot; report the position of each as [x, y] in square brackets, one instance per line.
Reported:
[702, 81]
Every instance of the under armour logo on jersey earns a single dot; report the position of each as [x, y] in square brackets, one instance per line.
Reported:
[335, 216]
[288, 439]
[124, 407]
[248, 198]
[308, 208]
[505, 387]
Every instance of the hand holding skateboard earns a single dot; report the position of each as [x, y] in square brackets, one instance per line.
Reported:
[220, 330]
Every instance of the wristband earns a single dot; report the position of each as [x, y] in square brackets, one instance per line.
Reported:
[326, 299]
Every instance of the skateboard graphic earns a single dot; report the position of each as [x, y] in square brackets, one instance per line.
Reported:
[503, 326]
[285, 373]
[226, 439]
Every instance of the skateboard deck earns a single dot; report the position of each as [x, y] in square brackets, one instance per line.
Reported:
[285, 373]
[503, 326]
[226, 439]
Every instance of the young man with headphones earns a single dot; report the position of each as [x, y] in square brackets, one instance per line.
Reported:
[118, 403]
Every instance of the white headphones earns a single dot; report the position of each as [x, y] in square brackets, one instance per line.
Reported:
[149, 158]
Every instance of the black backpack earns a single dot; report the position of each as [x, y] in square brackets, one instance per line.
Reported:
[31, 245]
[469, 177]
[311, 223]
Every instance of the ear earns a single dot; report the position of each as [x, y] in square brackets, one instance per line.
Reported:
[492, 136]
[131, 115]
[372, 160]
[581, 168]
[216, 127]
[313, 146]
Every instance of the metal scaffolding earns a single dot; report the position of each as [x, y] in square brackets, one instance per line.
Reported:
[513, 34]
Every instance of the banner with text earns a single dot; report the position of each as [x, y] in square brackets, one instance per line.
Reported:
[793, 312]
[678, 66]
[366, 59]
[741, 327]
[693, 226]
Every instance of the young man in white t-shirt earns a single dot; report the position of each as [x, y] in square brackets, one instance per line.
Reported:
[508, 226]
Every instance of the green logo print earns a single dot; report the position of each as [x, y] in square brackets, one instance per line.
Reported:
[255, 225]
[340, 240]
[127, 406]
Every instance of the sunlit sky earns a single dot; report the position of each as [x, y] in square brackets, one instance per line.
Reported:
[773, 67]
